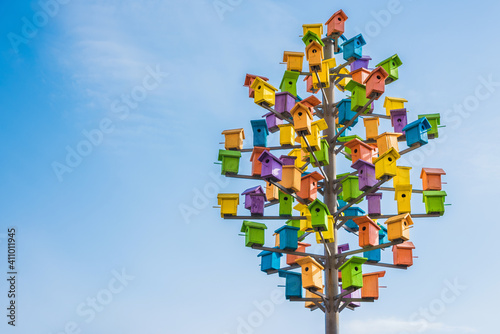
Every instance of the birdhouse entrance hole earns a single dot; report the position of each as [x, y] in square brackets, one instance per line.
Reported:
[267, 161]
[259, 130]
[300, 113]
[356, 268]
[355, 151]
[404, 195]
[306, 268]
[364, 228]
[390, 159]
[318, 210]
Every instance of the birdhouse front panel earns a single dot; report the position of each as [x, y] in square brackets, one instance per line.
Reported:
[301, 248]
[249, 79]
[431, 178]
[302, 119]
[403, 254]
[290, 178]
[254, 158]
[371, 126]
[373, 255]
[293, 283]
[271, 192]
[391, 66]
[288, 237]
[358, 96]
[336, 23]
[345, 114]
[229, 204]
[350, 188]
[264, 93]
[434, 201]
[360, 75]
[272, 122]
[293, 60]
[402, 177]
[254, 233]
[399, 120]
[398, 227]
[374, 201]
[352, 273]
[233, 139]
[286, 204]
[257, 205]
[287, 134]
[385, 164]
[359, 150]
[309, 186]
[368, 231]
[312, 273]
[319, 215]
[289, 82]
[387, 140]
[375, 83]
[260, 132]
[230, 161]
[366, 174]
[370, 287]
[249, 192]
[270, 261]
[314, 55]
[329, 234]
[284, 103]
[272, 167]
[353, 48]
[402, 195]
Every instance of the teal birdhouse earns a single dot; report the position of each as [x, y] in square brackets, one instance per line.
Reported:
[390, 65]
[254, 233]
[319, 215]
[230, 161]
[352, 274]
[286, 204]
[435, 121]
[289, 82]
[358, 95]
[434, 201]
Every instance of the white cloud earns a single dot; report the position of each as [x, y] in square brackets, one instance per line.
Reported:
[399, 326]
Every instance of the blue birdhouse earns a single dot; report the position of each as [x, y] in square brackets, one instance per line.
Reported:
[345, 112]
[353, 48]
[353, 211]
[416, 132]
[288, 237]
[382, 234]
[269, 261]
[260, 132]
[293, 283]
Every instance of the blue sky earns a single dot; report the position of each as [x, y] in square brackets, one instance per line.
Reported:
[153, 83]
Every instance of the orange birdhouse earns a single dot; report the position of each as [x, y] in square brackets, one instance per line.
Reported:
[371, 126]
[387, 140]
[360, 150]
[335, 24]
[312, 273]
[398, 227]
[309, 186]
[360, 75]
[314, 55]
[290, 259]
[375, 83]
[254, 158]
[370, 287]
[234, 139]
[368, 231]
[302, 118]
[272, 192]
[431, 178]
[249, 81]
[293, 60]
[290, 178]
[403, 254]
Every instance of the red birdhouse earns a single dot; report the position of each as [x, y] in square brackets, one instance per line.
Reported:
[431, 178]
[360, 150]
[254, 158]
[368, 231]
[370, 287]
[403, 254]
[309, 186]
[335, 24]
[375, 83]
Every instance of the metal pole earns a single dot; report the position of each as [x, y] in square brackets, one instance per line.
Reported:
[330, 198]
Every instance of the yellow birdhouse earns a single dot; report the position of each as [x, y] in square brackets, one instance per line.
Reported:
[234, 139]
[293, 60]
[324, 74]
[385, 164]
[265, 93]
[393, 103]
[398, 227]
[301, 158]
[371, 125]
[402, 177]
[312, 273]
[328, 235]
[316, 28]
[287, 134]
[342, 82]
[314, 139]
[314, 55]
[302, 118]
[387, 140]
[309, 294]
[228, 204]
[272, 192]
[402, 195]
[305, 224]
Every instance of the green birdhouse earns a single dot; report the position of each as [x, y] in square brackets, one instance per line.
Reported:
[435, 120]
[286, 204]
[350, 187]
[390, 65]
[289, 82]
[295, 223]
[321, 155]
[319, 215]
[434, 201]
[352, 274]
[254, 233]
[358, 96]
[309, 37]
[230, 161]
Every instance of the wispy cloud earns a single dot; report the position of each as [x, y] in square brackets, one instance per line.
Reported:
[400, 326]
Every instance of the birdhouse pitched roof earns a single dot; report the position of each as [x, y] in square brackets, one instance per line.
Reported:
[267, 154]
[353, 85]
[259, 123]
[399, 218]
[257, 150]
[389, 99]
[258, 81]
[227, 153]
[340, 13]
[287, 227]
[436, 116]
[311, 101]
[423, 121]
[359, 37]
[287, 54]
[299, 106]
[356, 142]
[378, 71]
[264, 253]
[434, 193]
[234, 131]
[306, 260]
[377, 273]
[405, 245]
[392, 152]
[353, 260]
[253, 190]
[432, 171]
[365, 219]
[250, 77]
[321, 124]
[389, 134]
[316, 203]
[394, 58]
[221, 197]
[311, 37]
[360, 163]
[343, 248]
[314, 175]
[285, 273]
[247, 223]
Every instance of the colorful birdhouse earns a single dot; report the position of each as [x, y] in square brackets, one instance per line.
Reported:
[295, 223]
[310, 37]
[402, 195]
[305, 225]
[360, 75]
[302, 119]
[314, 139]
[328, 235]
[312, 273]
[353, 211]
[398, 227]
[322, 155]
[288, 237]
[230, 161]
[254, 200]
[416, 132]
[374, 255]
[249, 79]
[434, 201]
[399, 120]
[359, 150]
[375, 83]
[353, 295]
[269, 261]
[272, 192]
[382, 234]
[345, 113]
[293, 60]
[364, 61]
[284, 103]
[391, 65]
[387, 140]
[350, 186]
[335, 24]
[309, 294]
[311, 101]
[314, 55]
[289, 82]
[368, 231]
[370, 287]
[358, 96]
[309, 85]
[323, 74]
[385, 164]
[434, 121]
[309, 186]
[402, 176]
[342, 79]
[249, 192]
[254, 158]
[288, 160]
[371, 125]
[287, 134]
[352, 273]
[272, 167]
[353, 48]
[366, 174]
[403, 254]
[254, 233]
[272, 122]
[286, 204]
[233, 139]
[374, 200]
[293, 283]
[431, 178]
[301, 158]
[316, 28]
[260, 132]
[391, 103]
[319, 215]
[291, 177]
[229, 204]
[265, 93]
[301, 248]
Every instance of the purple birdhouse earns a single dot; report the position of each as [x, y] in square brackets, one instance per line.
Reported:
[355, 294]
[399, 120]
[249, 192]
[374, 200]
[361, 62]
[366, 174]
[272, 167]
[272, 122]
[254, 200]
[288, 160]
[284, 102]
[342, 248]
